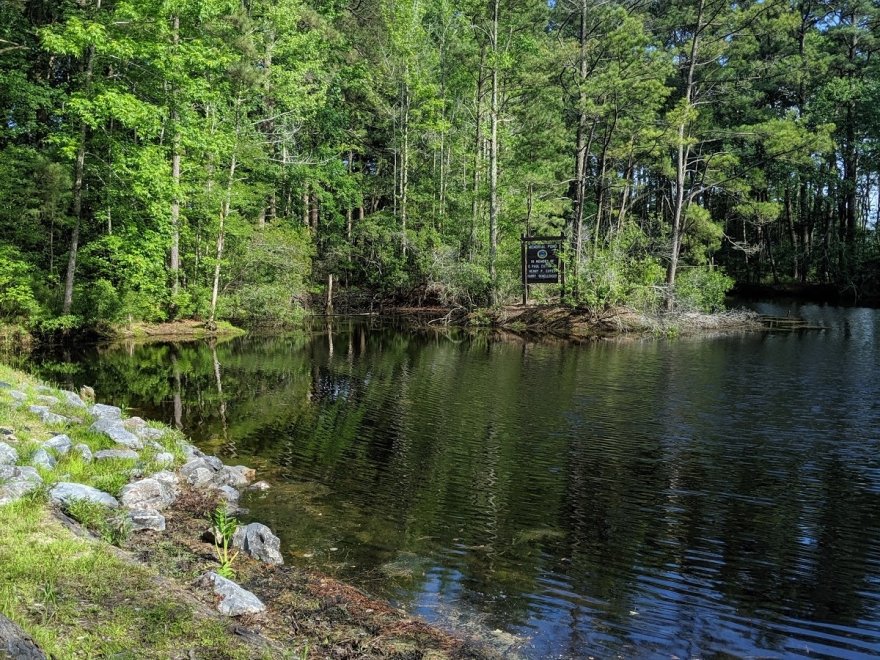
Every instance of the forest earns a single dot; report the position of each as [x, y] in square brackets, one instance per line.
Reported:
[221, 159]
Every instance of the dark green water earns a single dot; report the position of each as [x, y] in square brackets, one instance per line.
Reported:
[660, 498]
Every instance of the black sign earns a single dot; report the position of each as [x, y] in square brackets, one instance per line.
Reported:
[542, 263]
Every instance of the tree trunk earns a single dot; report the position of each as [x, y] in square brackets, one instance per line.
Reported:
[493, 162]
[175, 175]
[221, 237]
[78, 188]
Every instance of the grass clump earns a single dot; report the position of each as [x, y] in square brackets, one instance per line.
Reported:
[108, 524]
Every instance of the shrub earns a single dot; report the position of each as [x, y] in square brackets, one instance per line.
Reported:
[702, 289]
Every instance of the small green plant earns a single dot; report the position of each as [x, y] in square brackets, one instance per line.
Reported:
[224, 526]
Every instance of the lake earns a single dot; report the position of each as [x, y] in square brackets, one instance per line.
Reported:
[684, 497]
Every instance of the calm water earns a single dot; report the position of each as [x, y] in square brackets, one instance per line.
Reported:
[686, 498]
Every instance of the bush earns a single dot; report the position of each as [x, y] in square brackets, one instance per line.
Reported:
[17, 300]
[702, 289]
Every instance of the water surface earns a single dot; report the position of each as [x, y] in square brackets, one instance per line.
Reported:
[651, 498]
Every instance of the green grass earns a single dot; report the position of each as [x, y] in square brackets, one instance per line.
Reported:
[78, 599]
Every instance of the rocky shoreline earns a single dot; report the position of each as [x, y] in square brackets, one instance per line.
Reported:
[161, 504]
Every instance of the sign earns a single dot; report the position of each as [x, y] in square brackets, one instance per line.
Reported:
[542, 263]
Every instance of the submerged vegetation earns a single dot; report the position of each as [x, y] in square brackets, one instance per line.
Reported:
[211, 159]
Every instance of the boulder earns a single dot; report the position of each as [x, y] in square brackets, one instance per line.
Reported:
[228, 476]
[195, 464]
[8, 455]
[147, 494]
[60, 444]
[84, 452]
[165, 458]
[7, 430]
[229, 495]
[168, 478]
[213, 462]
[120, 454]
[43, 459]
[133, 423]
[234, 600]
[16, 644]
[149, 433]
[114, 430]
[259, 542]
[47, 399]
[146, 519]
[103, 411]
[16, 481]
[73, 399]
[260, 486]
[18, 395]
[200, 477]
[48, 416]
[4, 385]
[65, 492]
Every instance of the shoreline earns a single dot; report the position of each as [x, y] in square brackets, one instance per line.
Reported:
[106, 517]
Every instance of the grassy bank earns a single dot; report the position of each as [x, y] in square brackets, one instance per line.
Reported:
[81, 582]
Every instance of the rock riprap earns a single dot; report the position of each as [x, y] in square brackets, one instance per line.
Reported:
[147, 493]
[17, 481]
[259, 542]
[65, 492]
[234, 600]
[8, 454]
[114, 430]
[146, 519]
[116, 454]
[103, 411]
[60, 444]
[42, 458]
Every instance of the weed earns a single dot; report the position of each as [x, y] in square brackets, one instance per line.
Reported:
[224, 526]
[110, 527]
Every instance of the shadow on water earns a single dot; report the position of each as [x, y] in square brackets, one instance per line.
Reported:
[680, 498]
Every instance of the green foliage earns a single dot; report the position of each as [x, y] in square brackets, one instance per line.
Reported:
[702, 289]
[17, 300]
[223, 527]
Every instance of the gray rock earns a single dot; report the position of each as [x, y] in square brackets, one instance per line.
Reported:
[45, 389]
[165, 458]
[60, 444]
[146, 519]
[17, 481]
[259, 542]
[229, 494]
[149, 433]
[228, 476]
[74, 399]
[103, 411]
[16, 644]
[147, 494]
[168, 478]
[191, 451]
[234, 600]
[260, 486]
[48, 416]
[114, 430]
[48, 400]
[200, 477]
[196, 464]
[108, 454]
[18, 395]
[8, 455]
[65, 492]
[43, 459]
[4, 385]
[133, 423]
[84, 452]
[213, 462]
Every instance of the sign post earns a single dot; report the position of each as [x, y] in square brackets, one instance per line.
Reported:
[540, 261]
